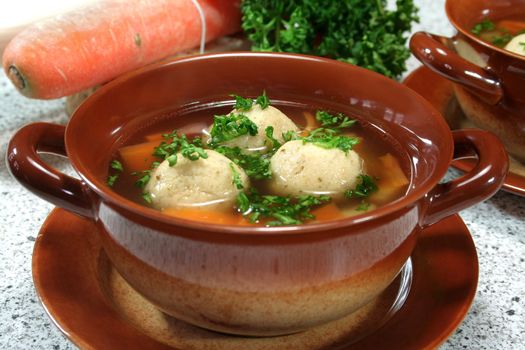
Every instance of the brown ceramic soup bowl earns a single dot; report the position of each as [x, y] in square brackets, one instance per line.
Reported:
[256, 280]
[490, 80]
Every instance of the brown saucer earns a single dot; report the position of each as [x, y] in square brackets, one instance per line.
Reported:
[95, 308]
[440, 93]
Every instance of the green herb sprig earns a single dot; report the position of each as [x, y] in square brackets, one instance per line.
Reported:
[244, 104]
[256, 165]
[335, 121]
[330, 138]
[236, 178]
[176, 143]
[229, 127]
[278, 210]
[365, 187]
[118, 168]
[485, 25]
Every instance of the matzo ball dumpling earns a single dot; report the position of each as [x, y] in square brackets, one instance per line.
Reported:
[303, 168]
[195, 183]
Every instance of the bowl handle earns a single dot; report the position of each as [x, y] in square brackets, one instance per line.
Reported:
[46, 182]
[433, 52]
[477, 185]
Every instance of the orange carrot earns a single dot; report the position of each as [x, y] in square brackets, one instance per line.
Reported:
[155, 137]
[138, 157]
[391, 182]
[94, 44]
[199, 214]
[310, 121]
[393, 173]
[514, 27]
[327, 212]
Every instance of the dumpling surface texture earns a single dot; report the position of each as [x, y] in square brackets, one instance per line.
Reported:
[299, 168]
[203, 182]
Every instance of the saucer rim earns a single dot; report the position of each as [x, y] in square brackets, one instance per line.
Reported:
[514, 183]
[83, 342]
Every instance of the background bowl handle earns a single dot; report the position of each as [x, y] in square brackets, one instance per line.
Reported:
[433, 52]
[477, 185]
[41, 179]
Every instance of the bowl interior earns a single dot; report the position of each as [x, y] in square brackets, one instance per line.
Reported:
[464, 14]
[138, 99]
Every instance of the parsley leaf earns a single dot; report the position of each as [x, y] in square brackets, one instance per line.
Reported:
[337, 121]
[256, 166]
[263, 101]
[241, 103]
[147, 197]
[278, 210]
[364, 188]
[229, 127]
[483, 26]
[236, 178]
[329, 138]
[112, 179]
[116, 165]
[363, 206]
[269, 136]
[176, 143]
[144, 179]
[502, 40]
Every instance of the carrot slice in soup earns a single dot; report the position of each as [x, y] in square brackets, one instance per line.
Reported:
[514, 27]
[138, 157]
[206, 215]
[327, 212]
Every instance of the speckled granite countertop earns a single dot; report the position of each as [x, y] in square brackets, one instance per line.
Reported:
[495, 321]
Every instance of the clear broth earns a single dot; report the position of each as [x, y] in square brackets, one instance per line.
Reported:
[375, 144]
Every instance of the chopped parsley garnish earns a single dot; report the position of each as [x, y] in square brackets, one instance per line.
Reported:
[502, 40]
[147, 197]
[256, 165]
[117, 166]
[523, 44]
[365, 187]
[337, 121]
[483, 26]
[236, 177]
[330, 138]
[245, 104]
[290, 135]
[112, 179]
[278, 210]
[363, 206]
[269, 136]
[263, 101]
[176, 143]
[242, 104]
[145, 176]
[229, 127]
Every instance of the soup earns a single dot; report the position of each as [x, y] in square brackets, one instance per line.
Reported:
[265, 163]
[507, 33]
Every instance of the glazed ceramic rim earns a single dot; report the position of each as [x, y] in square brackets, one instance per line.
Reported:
[471, 36]
[119, 203]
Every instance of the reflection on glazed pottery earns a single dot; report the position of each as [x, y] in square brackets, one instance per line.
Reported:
[296, 286]
[181, 335]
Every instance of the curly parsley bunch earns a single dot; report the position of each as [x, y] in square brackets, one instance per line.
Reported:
[361, 32]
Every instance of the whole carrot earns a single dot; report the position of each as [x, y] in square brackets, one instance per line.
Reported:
[94, 44]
